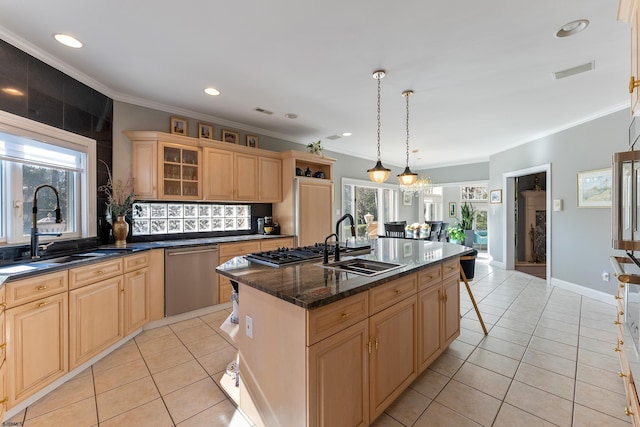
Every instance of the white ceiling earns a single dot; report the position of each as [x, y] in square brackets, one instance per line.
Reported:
[481, 71]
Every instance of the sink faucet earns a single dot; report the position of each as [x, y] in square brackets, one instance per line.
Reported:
[353, 226]
[34, 228]
[325, 252]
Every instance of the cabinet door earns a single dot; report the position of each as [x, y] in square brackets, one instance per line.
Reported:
[245, 177]
[37, 345]
[218, 174]
[94, 319]
[145, 169]
[180, 172]
[4, 398]
[332, 400]
[393, 357]
[136, 300]
[451, 290]
[314, 216]
[270, 180]
[430, 312]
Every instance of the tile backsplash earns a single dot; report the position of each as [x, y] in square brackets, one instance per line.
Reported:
[151, 218]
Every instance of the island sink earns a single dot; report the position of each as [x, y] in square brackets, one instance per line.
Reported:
[363, 267]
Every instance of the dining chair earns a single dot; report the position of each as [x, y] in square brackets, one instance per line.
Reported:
[395, 229]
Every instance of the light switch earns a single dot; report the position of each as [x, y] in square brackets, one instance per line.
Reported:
[557, 205]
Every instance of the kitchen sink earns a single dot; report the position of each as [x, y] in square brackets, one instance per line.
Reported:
[361, 266]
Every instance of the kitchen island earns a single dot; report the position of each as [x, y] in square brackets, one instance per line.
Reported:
[324, 347]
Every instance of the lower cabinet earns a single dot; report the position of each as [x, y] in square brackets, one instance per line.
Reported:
[393, 356]
[37, 343]
[135, 303]
[343, 355]
[94, 319]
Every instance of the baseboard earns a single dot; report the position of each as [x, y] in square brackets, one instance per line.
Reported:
[583, 290]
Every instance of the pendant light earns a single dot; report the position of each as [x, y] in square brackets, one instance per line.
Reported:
[407, 177]
[379, 173]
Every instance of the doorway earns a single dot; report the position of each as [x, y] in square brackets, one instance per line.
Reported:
[526, 250]
[530, 218]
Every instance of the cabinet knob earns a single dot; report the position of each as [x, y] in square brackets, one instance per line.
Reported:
[4, 401]
[621, 374]
[633, 83]
[627, 412]
[615, 322]
[343, 316]
[42, 304]
[42, 288]
[3, 345]
[617, 297]
[617, 349]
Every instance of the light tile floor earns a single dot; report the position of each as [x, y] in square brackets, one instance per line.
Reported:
[547, 361]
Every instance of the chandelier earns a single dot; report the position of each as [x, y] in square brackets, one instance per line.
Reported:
[422, 185]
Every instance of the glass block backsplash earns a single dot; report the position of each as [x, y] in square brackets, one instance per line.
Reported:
[169, 218]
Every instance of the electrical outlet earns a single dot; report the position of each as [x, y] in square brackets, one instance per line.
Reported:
[605, 276]
[248, 326]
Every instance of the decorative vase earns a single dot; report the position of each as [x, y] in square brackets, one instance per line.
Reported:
[120, 230]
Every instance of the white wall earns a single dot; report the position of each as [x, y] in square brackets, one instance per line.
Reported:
[580, 237]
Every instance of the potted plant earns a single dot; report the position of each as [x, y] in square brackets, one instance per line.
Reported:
[468, 214]
[315, 148]
[120, 198]
[456, 234]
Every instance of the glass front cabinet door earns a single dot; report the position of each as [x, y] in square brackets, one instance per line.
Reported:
[180, 172]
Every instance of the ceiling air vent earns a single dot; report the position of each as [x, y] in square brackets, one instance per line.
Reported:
[575, 70]
[262, 110]
[334, 137]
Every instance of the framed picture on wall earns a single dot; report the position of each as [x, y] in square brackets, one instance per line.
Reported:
[495, 196]
[230, 136]
[205, 131]
[452, 210]
[252, 141]
[594, 188]
[407, 199]
[178, 126]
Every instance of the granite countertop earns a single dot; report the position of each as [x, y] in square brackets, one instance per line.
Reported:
[309, 285]
[29, 268]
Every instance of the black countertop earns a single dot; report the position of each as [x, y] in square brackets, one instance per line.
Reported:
[309, 285]
[28, 268]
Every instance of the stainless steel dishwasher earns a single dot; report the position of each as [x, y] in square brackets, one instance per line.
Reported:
[190, 279]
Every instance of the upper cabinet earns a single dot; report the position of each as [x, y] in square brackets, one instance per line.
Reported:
[629, 11]
[173, 167]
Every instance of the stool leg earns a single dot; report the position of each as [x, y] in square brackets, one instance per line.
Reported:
[473, 300]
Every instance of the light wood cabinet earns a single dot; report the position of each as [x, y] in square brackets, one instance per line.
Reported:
[37, 345]
[393, 362]
[95, 321]
[241, 176]
[165, 166]
[306, 210]
[334, 401]
[4, 399]
[4, 402]
[135, 299]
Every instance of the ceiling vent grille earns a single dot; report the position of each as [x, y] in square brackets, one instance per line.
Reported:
[334, 137]
[262, 110]
[575, 70]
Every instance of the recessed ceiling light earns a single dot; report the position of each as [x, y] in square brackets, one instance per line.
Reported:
[212, 91]
[573, 27]
[68, 40]
[346, 134]
[12, 91]
[291, 116]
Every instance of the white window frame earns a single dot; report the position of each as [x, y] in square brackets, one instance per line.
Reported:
[393, 215]
[85, 186]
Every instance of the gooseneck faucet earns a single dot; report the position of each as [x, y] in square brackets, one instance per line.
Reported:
[325, 252]
[34, 228]
[353, 225]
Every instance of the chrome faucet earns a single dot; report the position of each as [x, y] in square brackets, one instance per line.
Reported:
[353, 226]
[34, 228]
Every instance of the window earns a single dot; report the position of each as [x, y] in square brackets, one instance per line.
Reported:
[33, 154]
[367, 201]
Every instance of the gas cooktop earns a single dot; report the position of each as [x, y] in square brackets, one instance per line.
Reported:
[287, 256]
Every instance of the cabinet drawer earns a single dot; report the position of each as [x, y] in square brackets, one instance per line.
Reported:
[271, 244]
[391, 293]
[326, 321]
[134, 262]
[429, 277]
[243, 248]
[29, 290]
[450, 268]
[82, 276]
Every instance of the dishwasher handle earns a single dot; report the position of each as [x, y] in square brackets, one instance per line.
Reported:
[196, 251]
